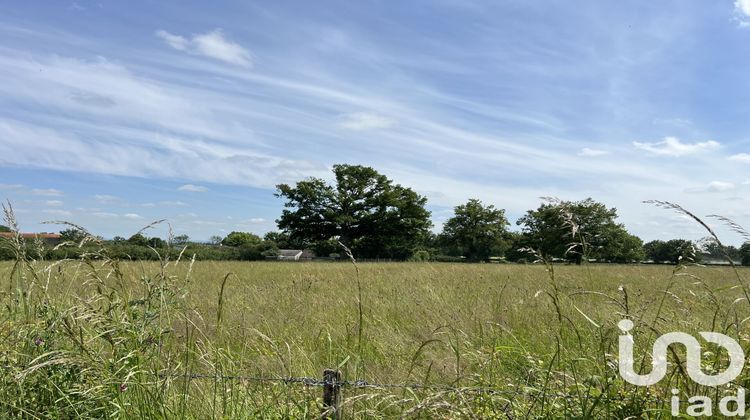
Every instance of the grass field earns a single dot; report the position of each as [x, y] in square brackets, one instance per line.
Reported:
[101, 338]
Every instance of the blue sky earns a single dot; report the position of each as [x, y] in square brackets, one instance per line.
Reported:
[114, 114]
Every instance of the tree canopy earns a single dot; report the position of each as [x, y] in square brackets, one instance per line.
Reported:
[673, 251]
[363, 209]
[475, 231]
[575, 230]
[241, 238]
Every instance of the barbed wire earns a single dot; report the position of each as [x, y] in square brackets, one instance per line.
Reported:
[307, 381]
[315, 382]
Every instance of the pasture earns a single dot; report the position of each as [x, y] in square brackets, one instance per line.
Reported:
[130, 339]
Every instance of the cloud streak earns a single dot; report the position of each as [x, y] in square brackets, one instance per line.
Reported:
[672, 146]
[211, 44]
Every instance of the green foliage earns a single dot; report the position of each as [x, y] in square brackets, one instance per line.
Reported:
[72, 235]
[745, 254]
[4, 228]
[138, 239]
[181, 240]
[578, 230]
[673, 251]
[476, 231]
[156, 242]
[240, 239]
[364, 209]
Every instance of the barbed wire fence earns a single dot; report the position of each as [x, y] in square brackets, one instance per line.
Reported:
[332, 385]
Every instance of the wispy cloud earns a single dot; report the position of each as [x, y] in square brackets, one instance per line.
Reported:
[104, 214]
[713, 186]
[57, 212]
[587, 152]
[48, 192]
[192, 188]
[672, 146]
[53, 203]
[211, 44]
[10, 186]
[174, 203]
[132, 216]
[365, 121]
[106, 198]
[740, 157]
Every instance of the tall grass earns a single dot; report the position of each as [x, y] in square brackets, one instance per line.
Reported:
[175, 338]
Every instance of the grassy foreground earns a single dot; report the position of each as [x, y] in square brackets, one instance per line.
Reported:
[100, 338]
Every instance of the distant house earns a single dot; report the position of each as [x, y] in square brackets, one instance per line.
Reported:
[49, 238]
[294, 255]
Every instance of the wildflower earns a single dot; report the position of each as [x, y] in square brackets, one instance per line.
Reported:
[38, 341]
[123, 387]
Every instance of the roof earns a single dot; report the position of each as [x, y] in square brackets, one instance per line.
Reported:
[289, 252]
[42, 235]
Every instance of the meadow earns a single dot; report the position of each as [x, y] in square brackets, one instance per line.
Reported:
[183, 339]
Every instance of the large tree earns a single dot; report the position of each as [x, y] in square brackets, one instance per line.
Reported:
[575, 230]
[363, 208]
[476, 231]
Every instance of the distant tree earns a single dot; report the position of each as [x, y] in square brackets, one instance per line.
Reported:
[673, 251]
[180, 240]
[72, 235]
[575, 230]
[215, 240]
[711, 249]
[138, 239]
[241, 238]
[284, 241]
[623, 248]
[4, 228]
[476, 231]
[364, 209]
[156, 242]
[745, 253]
[118, 239]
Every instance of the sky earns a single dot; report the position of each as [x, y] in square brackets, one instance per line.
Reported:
[114, 114]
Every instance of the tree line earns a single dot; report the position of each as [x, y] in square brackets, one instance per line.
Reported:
[374, 217]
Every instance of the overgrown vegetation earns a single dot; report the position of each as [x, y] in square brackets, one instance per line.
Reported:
[99, 337]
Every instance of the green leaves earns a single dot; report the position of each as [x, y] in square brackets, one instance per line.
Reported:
[363, 209]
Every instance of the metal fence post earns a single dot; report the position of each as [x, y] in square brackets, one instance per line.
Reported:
[331, 394]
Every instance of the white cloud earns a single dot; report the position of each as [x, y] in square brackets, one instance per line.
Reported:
[57, 212]
[257, 220]
[672, 146]
[173, 203]
[175, 41]
[586, 152]
[132, 216]
[740, 157]
[10, 186]
[53, 203]
[104, 214]
[48, 192]
[713, 186]
[365, 121]
[192, 188]
[742, 10]
[211, 44]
